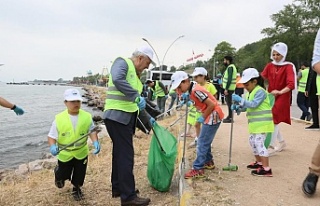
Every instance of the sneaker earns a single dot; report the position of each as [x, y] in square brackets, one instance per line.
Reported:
[77, 194]
[281, 146]
[272, 151]
[227, 120]
[262, 173]
[209, 165]
[193, 144]
[59, 183]
[194, 174]
[187, 135]
[312, 127]
[254, 166]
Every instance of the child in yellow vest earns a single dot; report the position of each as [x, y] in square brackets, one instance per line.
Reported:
[257, 105]
[69, 126]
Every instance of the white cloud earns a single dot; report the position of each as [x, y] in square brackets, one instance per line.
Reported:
[65, 38]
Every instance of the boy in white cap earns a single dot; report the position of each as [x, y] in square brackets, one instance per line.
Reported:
[259, 114]
[210, 119]
[69, 126]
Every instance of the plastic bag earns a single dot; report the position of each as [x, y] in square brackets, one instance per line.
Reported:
[161, 159]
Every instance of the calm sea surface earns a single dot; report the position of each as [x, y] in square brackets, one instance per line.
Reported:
[24, 138]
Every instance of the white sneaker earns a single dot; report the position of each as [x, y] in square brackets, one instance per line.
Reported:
[193, 144]
[281, 146]
[272, 151]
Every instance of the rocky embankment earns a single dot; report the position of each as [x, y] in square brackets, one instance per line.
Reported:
[94, 97]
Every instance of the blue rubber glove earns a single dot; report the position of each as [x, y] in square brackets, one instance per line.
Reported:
[189, 103]
[236, 108]
[18, 110]
[152, 121]
[54, 149]
[96, 145]
[185, 96]
[236, 98]
[141, 102]
[200, 119]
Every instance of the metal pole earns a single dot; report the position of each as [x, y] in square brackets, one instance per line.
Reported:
[144, 39]
[179, 37]
[214, 67]
[161, 65]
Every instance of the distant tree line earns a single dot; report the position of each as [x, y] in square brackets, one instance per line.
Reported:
[296, 25]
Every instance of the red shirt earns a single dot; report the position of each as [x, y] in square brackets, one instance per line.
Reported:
[280, 77]
[199, 94]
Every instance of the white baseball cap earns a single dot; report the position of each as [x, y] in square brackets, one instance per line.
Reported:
[199, 71]
[147, 51]
[72, 95]
[249, 74]
[177, 78]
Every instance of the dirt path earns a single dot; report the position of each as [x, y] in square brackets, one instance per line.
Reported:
[241, 188]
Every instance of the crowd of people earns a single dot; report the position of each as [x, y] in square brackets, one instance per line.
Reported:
[267, 102]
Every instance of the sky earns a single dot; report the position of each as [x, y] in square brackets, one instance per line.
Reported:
[52, 39]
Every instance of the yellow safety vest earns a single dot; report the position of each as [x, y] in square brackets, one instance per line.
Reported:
[318, 84]
[303, 80]
[158, 91]
[67, 134]
[260, 118]
[232, 86]
[117, 100]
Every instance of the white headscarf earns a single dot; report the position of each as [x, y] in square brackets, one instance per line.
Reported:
[282, 49]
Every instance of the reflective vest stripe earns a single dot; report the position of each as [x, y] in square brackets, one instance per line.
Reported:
[118, 97]
[259, 113]
[260, 119]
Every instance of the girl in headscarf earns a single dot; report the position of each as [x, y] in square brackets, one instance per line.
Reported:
[281, 76]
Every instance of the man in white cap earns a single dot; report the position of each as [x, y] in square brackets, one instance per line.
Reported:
[121, 110]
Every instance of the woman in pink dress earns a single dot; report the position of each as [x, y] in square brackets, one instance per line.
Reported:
[281, 77]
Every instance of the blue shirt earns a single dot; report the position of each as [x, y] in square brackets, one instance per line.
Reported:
[257, 100]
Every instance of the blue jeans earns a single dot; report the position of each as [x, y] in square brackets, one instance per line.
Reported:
[161, 102]
[303, 104]
[205, 139]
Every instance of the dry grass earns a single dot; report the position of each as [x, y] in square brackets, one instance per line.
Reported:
[38, 188]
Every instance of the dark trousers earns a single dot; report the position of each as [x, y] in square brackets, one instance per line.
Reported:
[314, 105]
[74, 170]
[303, 104]
[239, 91]
[222, 96]
[229, 103]
[122, 178]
